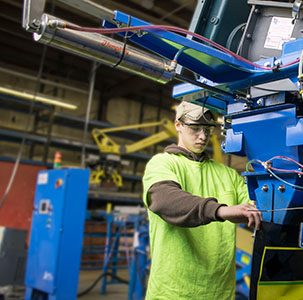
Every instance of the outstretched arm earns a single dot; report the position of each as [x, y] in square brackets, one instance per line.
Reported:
[180, 208]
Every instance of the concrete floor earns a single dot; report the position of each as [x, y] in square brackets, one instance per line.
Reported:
[114, 291]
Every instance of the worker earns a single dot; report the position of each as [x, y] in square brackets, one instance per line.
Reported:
[189, 197]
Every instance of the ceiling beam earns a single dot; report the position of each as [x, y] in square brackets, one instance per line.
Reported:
[126, 7]
[164, 14]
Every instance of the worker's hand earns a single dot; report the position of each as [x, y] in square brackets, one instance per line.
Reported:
[243, 213]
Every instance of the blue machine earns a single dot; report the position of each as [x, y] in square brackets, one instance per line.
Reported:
[133, 225]
[121, 226]
[54, 252]
[140, 264]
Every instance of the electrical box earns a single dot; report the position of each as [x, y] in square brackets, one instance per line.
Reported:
[255, 29]
[268, 27]
[54, 253]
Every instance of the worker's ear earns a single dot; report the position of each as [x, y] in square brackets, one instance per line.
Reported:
[178, 125]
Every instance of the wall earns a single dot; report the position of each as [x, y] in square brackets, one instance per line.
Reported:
[17, 209]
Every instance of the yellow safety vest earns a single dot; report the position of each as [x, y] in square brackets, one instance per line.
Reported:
[193, 263]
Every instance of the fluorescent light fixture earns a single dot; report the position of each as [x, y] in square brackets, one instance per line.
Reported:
[38, 98]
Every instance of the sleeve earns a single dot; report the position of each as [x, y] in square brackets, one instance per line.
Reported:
[180, 208]
[159, 168]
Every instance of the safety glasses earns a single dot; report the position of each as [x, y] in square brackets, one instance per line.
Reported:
[198, 128]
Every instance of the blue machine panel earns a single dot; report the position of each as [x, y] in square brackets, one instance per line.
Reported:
[228, 71]
[56, 236]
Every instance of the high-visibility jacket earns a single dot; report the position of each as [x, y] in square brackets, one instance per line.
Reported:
[193, 263]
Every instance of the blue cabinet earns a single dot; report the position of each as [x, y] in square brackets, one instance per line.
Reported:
[56, 235]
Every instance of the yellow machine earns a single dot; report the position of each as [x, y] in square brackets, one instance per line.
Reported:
[101, 173]
[107, 145]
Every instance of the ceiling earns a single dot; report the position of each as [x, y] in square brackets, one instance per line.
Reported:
[19, 52]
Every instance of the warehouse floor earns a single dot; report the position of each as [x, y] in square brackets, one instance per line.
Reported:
[114, 291]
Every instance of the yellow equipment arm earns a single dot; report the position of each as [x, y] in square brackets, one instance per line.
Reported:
[107, 145]
[217, 155]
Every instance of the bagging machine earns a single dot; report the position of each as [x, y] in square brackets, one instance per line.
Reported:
[242, 59]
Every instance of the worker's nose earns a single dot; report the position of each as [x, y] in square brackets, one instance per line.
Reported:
[202, 135]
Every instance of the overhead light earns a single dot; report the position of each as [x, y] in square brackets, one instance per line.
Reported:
[27, 96]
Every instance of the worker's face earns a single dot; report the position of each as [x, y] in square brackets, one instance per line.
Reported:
[193, 136]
